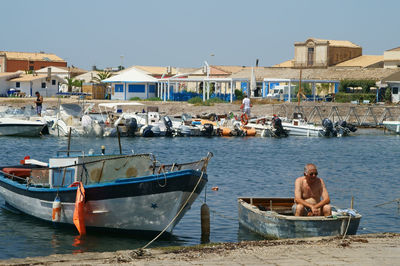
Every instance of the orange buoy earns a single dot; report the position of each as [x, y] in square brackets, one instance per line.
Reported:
[215, 188]
[79, 212]
[226, 131]
[56, 215]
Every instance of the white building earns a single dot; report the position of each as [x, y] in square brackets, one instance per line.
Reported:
[28, 84]
[391, 58]
[132, 83]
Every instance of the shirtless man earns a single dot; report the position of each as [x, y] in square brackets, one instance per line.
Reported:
[309, 189]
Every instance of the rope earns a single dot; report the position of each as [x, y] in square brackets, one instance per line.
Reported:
[347, 227]
[176, 216]
[395, 200]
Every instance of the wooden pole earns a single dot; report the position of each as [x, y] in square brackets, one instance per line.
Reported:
[352, 202]
[69, 141]
[119, 140]
[298, 94]
[205, 223]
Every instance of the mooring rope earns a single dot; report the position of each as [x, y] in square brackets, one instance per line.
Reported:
[176, 216]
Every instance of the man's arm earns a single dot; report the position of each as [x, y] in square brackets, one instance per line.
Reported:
[298, 198]
[325, 196]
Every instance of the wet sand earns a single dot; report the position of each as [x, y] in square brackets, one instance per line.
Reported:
[371, 249]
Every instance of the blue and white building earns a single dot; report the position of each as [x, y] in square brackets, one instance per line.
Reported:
[132, 83]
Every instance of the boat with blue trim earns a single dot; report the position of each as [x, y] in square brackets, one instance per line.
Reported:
[122, 192]
[274, 218]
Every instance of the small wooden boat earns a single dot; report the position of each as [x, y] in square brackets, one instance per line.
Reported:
[273, 218]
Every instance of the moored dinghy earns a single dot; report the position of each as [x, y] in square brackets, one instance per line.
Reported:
[122, 192]
[273, 217]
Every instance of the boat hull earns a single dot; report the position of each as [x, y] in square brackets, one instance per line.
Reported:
[146, 204]
[271, 224]
[393, 126]
[21, 130]
[308, 131]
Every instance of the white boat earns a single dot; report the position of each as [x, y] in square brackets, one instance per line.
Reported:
[20, 127]
[121, 192]
[393, 126]
[299, 127]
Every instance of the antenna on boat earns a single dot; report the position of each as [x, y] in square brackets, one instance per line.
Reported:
[69, 141]
[299, 92]
[119, 140]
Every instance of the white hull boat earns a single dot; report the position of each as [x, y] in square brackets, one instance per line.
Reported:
[122, 192]
[19, 127]
[393, 126]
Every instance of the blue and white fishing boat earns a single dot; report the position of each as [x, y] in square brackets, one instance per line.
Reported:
[122, 192]
[273, 218]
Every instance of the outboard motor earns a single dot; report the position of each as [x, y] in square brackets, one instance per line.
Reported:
[147, 132]
[277, 124]
[132, 126]
[208, 129]
[328, 125]
[168, 125]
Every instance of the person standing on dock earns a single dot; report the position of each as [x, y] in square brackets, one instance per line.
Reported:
[309, 189]
[38, 101]
[246, 104]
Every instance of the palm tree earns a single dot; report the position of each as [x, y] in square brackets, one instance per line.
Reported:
[70, 83]
[102, 75]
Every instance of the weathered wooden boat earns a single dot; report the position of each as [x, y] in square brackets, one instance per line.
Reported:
[122, 192]
[273, 218]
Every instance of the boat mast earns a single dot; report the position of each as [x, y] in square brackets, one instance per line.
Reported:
[298, 94]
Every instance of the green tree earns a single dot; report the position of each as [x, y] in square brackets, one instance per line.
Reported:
[388, 95]
[70, 83]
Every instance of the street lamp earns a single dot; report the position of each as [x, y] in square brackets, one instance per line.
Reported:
[122, 61]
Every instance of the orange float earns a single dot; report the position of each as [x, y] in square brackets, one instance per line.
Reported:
[79, 212]
[244, 119]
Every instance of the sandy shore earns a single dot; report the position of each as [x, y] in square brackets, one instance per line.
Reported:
[372, 249]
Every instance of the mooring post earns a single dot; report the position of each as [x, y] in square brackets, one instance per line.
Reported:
[205, 223]
[119, 140]
[69, 141]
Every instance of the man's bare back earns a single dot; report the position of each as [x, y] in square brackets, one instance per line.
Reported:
[311, 196]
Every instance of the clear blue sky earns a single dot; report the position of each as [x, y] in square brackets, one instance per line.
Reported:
[185, 33]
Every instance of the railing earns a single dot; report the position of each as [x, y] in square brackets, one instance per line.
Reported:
[360, 115]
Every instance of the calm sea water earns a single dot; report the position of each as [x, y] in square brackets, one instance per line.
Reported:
[365, 166]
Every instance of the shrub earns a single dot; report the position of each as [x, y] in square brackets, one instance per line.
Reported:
[195, 100]
[342, 97]
[154, 99]
[215, 100]
[239, 95]
[365, 84]
[135, 99]
[388, 95]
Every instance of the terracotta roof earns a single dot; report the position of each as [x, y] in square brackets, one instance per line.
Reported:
[331, 73]
[288, 63]
[31, 56]
[362, 61]
[230, 69]
[333, 43]
[156, 70]
[28, 77]
[394, 49]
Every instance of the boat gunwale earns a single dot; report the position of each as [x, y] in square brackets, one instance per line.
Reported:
[116, 182]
